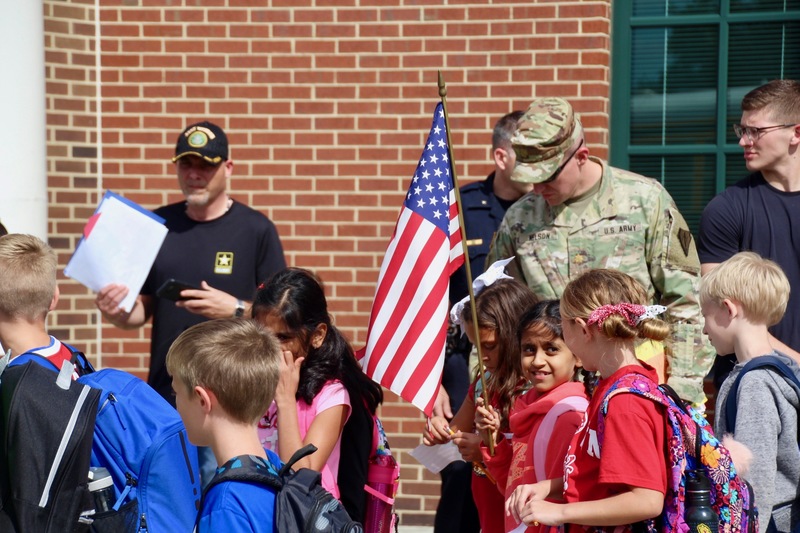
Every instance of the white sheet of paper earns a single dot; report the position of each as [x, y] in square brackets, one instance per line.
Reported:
[520, 528]
[120, 248]
[436, 457]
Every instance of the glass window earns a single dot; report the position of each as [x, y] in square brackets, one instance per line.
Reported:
[673, 85]
[680, 172]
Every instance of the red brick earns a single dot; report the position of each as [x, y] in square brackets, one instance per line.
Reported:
[446, 14]
[292, 30]
[281, 16]
[398, 15]
[425, 30]
[358, 47]
[403, 45]
[271, 46]
[378, 30]
[356, 15]
[446, 45]
[315, 46]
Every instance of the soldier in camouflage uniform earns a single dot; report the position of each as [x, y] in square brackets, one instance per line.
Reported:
[584, 214]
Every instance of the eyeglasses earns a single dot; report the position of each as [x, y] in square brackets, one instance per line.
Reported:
[561, 167]
[753, 133]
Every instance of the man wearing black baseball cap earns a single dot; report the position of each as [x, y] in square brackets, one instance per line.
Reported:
[221, 247]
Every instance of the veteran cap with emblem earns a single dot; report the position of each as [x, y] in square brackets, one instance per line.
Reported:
[205, 140]
[545, 134]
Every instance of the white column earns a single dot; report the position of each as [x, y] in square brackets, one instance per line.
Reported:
[23, 147]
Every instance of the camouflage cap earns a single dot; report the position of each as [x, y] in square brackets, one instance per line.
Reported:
[544, 136]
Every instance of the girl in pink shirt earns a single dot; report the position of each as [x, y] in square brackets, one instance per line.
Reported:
[321, 386]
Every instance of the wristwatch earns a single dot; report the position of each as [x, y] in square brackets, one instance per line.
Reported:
[239, 309]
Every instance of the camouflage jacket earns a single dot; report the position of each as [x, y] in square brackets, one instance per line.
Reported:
[631, 225]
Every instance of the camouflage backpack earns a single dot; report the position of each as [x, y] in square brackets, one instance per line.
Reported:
[731, 496]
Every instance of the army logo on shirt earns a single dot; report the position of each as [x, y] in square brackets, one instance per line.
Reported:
[224, 263]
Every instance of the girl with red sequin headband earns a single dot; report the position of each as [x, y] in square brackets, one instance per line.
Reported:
[614, 476]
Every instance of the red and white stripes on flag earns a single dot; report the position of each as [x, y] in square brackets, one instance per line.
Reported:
[408, 321]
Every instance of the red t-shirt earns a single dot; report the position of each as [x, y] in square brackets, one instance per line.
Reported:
[633, 450]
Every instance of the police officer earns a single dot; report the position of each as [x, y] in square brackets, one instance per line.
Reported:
[586, 214]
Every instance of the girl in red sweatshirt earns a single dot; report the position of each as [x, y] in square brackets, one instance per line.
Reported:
[543, 420]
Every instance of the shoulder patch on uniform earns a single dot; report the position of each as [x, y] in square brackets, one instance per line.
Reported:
[681, 252]
[685, 238]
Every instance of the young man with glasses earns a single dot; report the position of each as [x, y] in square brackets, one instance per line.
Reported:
[761, 213]
[585, 214]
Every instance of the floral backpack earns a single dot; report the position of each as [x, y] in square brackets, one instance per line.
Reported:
[731, 496]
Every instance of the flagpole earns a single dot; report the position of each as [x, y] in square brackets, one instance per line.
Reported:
[467, 266]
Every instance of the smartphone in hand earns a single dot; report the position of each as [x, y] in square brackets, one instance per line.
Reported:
[171, 289]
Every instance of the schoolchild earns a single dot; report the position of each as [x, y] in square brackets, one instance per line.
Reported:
[616, 478]
[323, 397]
[224, 374]
[543, 420]
[28, 292]
[499, 306]
[740, 298]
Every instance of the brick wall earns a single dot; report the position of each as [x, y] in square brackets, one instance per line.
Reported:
[326, 103]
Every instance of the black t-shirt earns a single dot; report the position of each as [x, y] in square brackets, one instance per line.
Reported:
[751, 215]
[233, 253]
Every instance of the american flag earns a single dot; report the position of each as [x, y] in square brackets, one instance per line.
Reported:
[408, 321]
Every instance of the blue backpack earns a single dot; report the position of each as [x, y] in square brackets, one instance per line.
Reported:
[140, 438]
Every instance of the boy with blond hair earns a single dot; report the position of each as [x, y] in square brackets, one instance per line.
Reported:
[740, 298]
[224, 375]
[28, 291]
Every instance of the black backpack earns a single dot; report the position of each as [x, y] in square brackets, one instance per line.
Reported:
[46, 429]
[301, 504]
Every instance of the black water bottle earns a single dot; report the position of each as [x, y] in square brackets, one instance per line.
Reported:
[700, 516]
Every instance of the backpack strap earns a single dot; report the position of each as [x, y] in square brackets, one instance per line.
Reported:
[764, 361]
[244, 468]
[306, 450]
[661, 394]
[545, 431]
[26, 357]
[79, 359]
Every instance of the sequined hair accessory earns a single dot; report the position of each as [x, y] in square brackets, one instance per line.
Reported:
[495, 272]
[633, 314]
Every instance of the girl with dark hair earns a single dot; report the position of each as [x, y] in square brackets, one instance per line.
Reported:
[542, 421]
[499, 306]
[323, 397]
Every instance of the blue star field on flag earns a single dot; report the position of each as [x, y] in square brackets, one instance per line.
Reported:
[429, 192]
